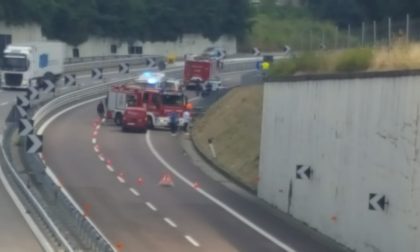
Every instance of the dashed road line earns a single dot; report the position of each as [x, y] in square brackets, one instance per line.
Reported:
[101, 158]
[110, 168]
[192, 241]
[170, 222]
[94, 140]
[151, 206]
[216, 201]
[121, 179]
[4, 103]
[135, 192]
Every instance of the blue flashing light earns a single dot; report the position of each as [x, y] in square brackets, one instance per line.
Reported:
[152, 81]
[147, 74]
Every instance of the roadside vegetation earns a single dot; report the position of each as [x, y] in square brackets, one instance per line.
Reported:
[399, 56]
[73, 21]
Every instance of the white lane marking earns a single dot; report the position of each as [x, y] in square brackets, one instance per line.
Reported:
[101, 158]
[110, 168]
[94, 140]
[228, 209]
[170, 222]
[134, 191]
[192, 241]
[121, 179]
[4, 103]
[151, 206]
[98, 127]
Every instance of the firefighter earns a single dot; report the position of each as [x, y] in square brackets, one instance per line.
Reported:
[186, 116]
[100, 109]
[173, 122]
[198, 87]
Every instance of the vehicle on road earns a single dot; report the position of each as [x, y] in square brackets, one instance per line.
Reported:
[131, 105]
[199, 70]
[215, 53]
[31, 63]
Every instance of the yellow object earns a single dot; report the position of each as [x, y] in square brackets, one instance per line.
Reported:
[171, 58]
[265, 65]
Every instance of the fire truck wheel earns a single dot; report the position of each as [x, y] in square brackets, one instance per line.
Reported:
[118, 119]
[150, 124]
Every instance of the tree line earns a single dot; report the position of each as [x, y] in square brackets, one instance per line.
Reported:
[73, 21]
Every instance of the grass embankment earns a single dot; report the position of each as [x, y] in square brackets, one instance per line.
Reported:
[400, 56]
[234, 124]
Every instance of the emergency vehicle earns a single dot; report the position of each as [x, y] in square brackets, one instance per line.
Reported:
[126, 103]
[199, 70]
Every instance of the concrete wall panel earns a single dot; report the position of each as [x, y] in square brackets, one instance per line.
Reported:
[360, 136]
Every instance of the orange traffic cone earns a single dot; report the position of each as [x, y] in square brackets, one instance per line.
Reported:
[166, 180]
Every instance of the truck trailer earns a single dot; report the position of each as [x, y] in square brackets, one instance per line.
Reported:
[30, 63]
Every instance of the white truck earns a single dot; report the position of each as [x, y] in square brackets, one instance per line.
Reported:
[23, 64]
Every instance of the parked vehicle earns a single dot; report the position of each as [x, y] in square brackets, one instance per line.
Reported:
[199, 70]
[134, 106]
[24, 64]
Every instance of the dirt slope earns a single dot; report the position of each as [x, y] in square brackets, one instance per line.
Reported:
[234, 124]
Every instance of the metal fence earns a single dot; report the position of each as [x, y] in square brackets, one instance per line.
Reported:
[366, 34]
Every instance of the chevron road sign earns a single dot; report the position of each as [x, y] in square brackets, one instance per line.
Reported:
[304, 172]
[377, 202]
[33, 143]
[48, 86]
[256, 51]
[32, 93]
[70, 80]
[97, 73]
[124, 68]
[22, 111]
[151, 62]
[26, 127]
[23, 101]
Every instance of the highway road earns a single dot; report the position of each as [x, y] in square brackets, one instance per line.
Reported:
[15, 234]
[115, 177]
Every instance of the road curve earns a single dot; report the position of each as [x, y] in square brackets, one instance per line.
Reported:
[115, 177]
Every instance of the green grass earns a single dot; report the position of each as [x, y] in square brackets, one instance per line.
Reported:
[307, 62]
[303, 33]
[354, 60]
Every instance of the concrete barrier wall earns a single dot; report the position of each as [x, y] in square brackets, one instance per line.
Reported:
[95, 46]
[361, 139]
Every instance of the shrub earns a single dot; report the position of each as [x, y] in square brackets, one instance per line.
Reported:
[353, 60]
[308, 62]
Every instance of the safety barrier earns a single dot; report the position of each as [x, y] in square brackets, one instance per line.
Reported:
[47, 200]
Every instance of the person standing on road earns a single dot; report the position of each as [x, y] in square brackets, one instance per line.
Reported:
[173, 122]
[198, 87]
[186, 116]
[100, 109]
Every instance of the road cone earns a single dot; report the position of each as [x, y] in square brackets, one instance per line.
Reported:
[166, 180]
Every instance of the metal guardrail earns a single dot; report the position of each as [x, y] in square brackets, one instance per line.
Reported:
[80, 232]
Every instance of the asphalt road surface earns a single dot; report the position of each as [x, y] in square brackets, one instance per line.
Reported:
[116, 176]
[15, 235]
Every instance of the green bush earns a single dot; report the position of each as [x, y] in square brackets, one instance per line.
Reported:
[354, 60]
[308, 62]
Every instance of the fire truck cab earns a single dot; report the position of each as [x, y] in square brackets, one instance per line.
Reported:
[126, 103]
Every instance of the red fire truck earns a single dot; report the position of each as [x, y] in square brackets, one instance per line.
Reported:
[134, 106]
[199, 70]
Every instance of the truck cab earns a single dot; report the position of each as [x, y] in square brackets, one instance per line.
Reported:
[160, 104]
[21, 64]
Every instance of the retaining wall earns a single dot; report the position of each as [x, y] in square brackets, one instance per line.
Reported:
[343, 156]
